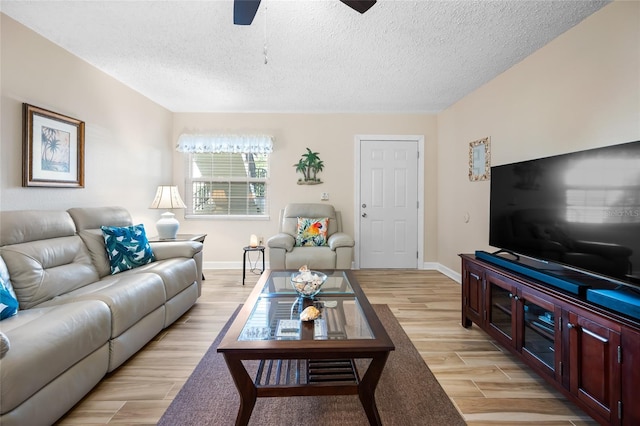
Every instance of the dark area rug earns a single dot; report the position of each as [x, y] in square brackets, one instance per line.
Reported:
[407, 394]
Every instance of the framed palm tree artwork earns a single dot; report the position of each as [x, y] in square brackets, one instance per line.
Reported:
[52, 149]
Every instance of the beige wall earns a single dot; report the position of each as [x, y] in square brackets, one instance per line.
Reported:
[128, 145]
[332, 136]
[580, 91]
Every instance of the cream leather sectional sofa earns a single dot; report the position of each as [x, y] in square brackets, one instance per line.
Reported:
[76, 320]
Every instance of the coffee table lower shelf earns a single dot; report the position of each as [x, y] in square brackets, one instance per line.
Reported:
[302, 377]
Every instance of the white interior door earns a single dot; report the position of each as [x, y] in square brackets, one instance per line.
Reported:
[388, 204]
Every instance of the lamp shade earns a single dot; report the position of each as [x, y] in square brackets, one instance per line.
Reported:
[167, 197]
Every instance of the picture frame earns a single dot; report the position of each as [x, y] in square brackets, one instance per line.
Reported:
[480, 160]
[52, 149]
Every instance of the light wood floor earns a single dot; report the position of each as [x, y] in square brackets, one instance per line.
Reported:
[486, 384]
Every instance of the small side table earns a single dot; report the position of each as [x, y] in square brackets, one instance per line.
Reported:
[180, 237]
[259, 249]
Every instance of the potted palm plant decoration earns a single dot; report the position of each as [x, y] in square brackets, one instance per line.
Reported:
[309, 165]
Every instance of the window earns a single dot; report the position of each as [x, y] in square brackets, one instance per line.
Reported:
[227, 184]
[227, 175]
[603, 190]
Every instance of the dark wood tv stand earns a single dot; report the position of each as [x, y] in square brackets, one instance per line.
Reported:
[589, 354]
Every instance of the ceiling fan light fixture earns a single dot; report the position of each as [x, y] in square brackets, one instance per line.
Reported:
[359, 5]
[244, 11]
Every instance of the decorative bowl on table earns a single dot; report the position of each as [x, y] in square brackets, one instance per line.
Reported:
[308, 283]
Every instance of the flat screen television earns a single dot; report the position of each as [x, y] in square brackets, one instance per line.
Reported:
[579, 210]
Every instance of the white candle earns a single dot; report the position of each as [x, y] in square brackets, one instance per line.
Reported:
[253, 241]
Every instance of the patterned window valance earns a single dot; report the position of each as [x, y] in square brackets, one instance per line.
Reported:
[255, 144]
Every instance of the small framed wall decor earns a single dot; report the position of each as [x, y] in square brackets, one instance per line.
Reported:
[479, 160]
[52, 149]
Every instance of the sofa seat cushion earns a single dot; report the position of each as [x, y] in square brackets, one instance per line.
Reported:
[313, 257]
[130, 297]
[46, 342]
[177, 274]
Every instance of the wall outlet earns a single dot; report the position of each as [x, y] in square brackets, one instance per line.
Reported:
[324, 196]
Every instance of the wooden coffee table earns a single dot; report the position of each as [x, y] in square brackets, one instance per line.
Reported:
[271, 353]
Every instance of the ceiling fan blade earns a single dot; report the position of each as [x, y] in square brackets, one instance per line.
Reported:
[244, 11]
[360, 5]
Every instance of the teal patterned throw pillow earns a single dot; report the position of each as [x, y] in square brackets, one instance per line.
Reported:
[127, 247]
[8, 301]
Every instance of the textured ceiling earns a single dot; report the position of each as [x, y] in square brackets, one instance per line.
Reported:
[400, 56]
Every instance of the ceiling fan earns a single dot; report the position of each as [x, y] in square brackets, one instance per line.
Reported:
[245, 10]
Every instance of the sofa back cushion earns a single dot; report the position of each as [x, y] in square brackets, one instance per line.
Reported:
[22, 226]
[94, 241]
[95, 217]
[42, 268]
[88, 221]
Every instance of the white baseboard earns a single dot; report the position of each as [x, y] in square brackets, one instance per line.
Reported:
[431, 266]
[450, 273]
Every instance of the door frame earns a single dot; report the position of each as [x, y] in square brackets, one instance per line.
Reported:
[419, 184]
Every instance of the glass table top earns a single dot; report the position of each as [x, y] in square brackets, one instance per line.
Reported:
[279, 283]
[276, 313]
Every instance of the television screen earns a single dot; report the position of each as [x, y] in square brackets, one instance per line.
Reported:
[580, 209]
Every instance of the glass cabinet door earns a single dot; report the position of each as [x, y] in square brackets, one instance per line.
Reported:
[525, 320]
[500, 309]
[539, 331]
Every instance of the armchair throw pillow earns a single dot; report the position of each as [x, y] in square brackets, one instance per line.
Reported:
[127, 247]
[312, 232]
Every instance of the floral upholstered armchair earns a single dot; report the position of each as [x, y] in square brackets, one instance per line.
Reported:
[310, 234]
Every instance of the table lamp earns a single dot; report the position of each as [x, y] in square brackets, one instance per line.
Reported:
[167, 197]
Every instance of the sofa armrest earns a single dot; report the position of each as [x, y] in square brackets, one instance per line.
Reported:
[281, 241]
[167, 250]
[340, 239]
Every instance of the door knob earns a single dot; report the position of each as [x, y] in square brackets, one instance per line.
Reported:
[364, 215]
